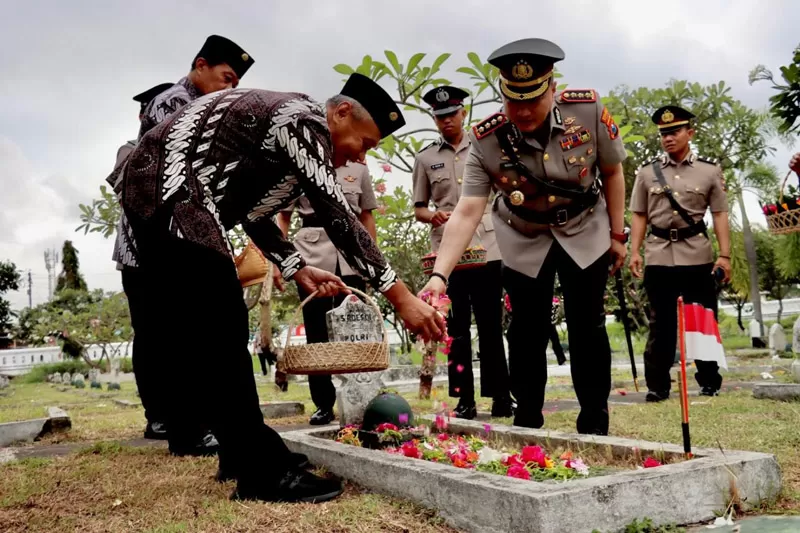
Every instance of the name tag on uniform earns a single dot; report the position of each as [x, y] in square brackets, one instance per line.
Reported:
[507, 165]
[437, 166]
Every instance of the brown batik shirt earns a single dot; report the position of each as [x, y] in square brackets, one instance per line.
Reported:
[238, 157]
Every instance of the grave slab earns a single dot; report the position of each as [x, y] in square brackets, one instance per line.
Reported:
[683, 492]
[126, 403]
[23, 431]
[786, 392]
[282, 409]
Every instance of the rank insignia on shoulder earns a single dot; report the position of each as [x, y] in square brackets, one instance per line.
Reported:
[708, 160]
[488, 125]
[437, 166]
[579, 95]
[434, 143]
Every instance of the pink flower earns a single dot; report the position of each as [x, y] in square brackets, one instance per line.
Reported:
[380, 188]
[457, 389]
[534, 454]
[410, 449]
[579, 466]
[386, 167]
[487, 428]
[402, 418]
[386, 426]
[441, 422]
[443, 437]
[651, 463]
[507, 301]
[459, 368]
[556, 300]
[519, 472]
[514, 460]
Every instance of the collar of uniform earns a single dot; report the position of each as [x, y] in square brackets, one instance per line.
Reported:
[463, 144]
[556, 120]
[193, 91]
[689, 160]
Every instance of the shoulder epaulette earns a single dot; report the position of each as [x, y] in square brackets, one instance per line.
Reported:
[648, 163]
[488, 125]
[708, 160]
[433, 143]
[578, 95]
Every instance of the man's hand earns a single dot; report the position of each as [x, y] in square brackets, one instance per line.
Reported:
[439, 218]
[277, 278]
[313, 279]
[636, 264]
[725, 264]
[794, 163]
[435, 287]
[421, 318]
[618, 253]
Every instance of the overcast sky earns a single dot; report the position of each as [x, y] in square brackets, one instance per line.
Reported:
[68, 71]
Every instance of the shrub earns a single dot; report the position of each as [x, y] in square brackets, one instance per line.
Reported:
[39, 373]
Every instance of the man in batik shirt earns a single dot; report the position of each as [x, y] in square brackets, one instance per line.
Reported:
[238, 157]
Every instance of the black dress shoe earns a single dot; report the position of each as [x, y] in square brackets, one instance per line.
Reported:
[709, 391]
[322, 417]
[465, 411]
[503, 408]
[656, 396]
[205, 447]
[528, 420]
[155, 431]
[300, 460]
[295, 486]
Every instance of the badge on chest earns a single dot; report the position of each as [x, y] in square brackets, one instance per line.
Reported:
[437, 166]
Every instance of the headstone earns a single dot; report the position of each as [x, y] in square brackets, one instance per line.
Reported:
[94, 379]
[354, 321]
[113, 386]
[56, 378]
[796, 336]
[114, 383]
[66, 378]
[78, 381]
[796, 370]
[3, 382]
[777, 339]
[356, 391]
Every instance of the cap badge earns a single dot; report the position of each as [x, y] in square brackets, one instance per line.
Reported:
[522, 71]
[442, 96]
[667, 117]
[517, 198]
[393, 116]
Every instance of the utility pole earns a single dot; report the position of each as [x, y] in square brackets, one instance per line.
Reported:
[30, 289]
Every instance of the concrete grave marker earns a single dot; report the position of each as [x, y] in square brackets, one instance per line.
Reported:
[66, 378]
[78, 382]
[56, 378]
[796, 336]
[356, 391]
[94, 379]
[354, 321]
[3, 382]
[777, 339]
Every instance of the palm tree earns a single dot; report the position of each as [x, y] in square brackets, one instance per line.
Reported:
[760, 179]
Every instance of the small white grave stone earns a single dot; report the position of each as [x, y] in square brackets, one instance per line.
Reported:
[777, 339]
[354, 321]
[796, 336]
[56, 378]
[66, 378]
[3, 382]
[355, 392]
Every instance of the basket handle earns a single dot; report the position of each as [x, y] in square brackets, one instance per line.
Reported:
[783, 184]
[313, 295]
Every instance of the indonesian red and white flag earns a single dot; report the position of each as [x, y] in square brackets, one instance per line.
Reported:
[703, 341]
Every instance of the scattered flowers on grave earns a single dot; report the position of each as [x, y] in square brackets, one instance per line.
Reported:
[649, 462]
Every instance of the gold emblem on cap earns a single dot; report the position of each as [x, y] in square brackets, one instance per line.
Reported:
[393, 116]
[522, 71]
[667, 116]
[245, 57]
[517, 198]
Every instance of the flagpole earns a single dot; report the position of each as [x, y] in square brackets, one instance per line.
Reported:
[687, 441]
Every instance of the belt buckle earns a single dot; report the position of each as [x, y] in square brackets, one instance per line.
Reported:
[673, 235]
[562, 217]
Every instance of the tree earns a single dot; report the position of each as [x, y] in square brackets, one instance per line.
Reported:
[770, 277]
[9, 281]
[102, 215]
[785, 106]
[70, 277]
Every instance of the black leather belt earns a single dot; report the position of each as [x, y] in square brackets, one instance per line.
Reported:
[679, 234]
[554, 217]
[311, 222]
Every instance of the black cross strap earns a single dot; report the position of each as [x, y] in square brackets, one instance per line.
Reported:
[694, 227]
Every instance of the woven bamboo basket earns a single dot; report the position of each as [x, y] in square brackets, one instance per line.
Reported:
[335, 357]
[787, 221]
[469, 259]
[251, 265]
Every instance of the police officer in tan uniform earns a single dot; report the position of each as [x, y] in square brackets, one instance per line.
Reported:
[556, 160]
[671, 195]
[438, 176]
[319, 251]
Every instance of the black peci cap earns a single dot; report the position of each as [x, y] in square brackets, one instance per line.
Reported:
[378, 103]
[526, 67]
[218, 49]
[445, 99]
[671, 117]
[147, 96]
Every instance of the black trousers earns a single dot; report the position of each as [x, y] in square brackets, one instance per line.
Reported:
[664, 284]
[201, 320]
[479, 291]
[531, 326]
[323, 393]
[145, 343]
[555, 341]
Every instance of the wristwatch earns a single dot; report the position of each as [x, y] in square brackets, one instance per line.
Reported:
[620, 237]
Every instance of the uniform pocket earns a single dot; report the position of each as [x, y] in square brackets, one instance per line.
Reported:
[695, 197]
[442, 185]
